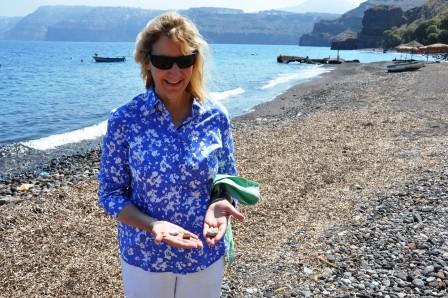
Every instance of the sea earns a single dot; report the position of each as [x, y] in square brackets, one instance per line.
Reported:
[53, 94]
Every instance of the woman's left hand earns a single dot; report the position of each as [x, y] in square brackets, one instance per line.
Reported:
[216, 217]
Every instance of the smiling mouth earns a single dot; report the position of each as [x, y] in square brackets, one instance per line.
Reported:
[173, 83]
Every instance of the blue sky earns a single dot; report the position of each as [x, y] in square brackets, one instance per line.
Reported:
[24, 7]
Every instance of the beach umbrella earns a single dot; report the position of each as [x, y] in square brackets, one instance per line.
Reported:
[413, 44]
[435, 48]
[403, 48]
[406, 48]
[409, 47]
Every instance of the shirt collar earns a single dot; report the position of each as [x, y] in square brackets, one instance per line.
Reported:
[198, 107]
[154, 103]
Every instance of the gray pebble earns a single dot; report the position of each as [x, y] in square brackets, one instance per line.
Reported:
[428, 270]
[346, 281]
[401, 275]
[374, 284]
[306, 293]
[326, 273]
[307, 271]
[416, 217]
[418, 282]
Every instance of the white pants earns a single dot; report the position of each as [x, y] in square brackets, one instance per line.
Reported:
[139, 283]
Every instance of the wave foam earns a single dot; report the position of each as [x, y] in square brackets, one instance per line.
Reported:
[75, 136]
[226, 94]
[287, 77]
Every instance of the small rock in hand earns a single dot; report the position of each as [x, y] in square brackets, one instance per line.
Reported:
[212, 232]
[173, 233]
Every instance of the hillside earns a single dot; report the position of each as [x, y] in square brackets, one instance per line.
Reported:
[218, 25]
[427, 24]
[7, 23]
[350, 22]
[340, 6]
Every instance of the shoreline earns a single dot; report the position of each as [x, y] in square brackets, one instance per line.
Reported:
[32, 162]
[354, 199]
[295, 101]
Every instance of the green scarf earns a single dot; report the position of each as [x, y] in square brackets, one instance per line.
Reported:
[246, 192]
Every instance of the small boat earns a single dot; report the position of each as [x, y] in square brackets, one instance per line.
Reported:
[395, 60]
[405, 66]
[108, 59]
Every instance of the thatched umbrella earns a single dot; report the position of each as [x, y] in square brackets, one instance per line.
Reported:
[411, 47]
[408, 47]
[435, 48]
[414, 44]
[404, 49]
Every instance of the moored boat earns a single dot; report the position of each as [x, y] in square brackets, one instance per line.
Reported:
[108, 59]
[405, 66]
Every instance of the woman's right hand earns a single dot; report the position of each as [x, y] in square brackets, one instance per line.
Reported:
[173, 235]
[163, 231]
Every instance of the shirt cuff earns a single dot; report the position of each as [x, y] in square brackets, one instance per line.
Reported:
[113, 206]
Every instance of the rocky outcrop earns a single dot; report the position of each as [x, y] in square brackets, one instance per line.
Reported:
[380, 18]
[375, 21]
[345, 41]
[325, 31]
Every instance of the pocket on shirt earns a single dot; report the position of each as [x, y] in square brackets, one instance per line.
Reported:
[201, 155]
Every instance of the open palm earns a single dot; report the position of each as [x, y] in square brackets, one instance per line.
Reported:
[216, 217]
[175, 236]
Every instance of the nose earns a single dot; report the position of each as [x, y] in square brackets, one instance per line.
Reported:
[174, 69]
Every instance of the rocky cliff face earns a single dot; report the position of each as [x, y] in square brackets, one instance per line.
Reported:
[375, 21]
[427, 11]
[380, 18]
[325, 31]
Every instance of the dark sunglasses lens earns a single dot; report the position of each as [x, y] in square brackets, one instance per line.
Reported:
[162, 62]
[186, 61]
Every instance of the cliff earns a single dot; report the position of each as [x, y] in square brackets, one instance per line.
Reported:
[327, 30]
[80, 23]
[375, 21]
[218, 25]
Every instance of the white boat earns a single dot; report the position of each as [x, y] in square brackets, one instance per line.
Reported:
[405, 66]
[108, 59]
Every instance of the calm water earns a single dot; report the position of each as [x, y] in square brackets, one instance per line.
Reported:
[52, 93]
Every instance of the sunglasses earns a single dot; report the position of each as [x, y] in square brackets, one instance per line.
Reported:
[166, 62]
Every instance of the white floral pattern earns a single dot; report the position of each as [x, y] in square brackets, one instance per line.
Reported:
[166, 172]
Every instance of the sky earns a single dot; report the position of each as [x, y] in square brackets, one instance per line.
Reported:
[23, 7]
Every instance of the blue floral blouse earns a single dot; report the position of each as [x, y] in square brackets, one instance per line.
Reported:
[166, 172]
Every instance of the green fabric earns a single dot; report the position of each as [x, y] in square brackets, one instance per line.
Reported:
[245, 191]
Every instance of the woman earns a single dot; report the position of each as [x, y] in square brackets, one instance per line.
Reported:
[160, 155]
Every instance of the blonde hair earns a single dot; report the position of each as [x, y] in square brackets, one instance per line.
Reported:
[181, 31]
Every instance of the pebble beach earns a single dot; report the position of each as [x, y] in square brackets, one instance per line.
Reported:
[354, 183]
